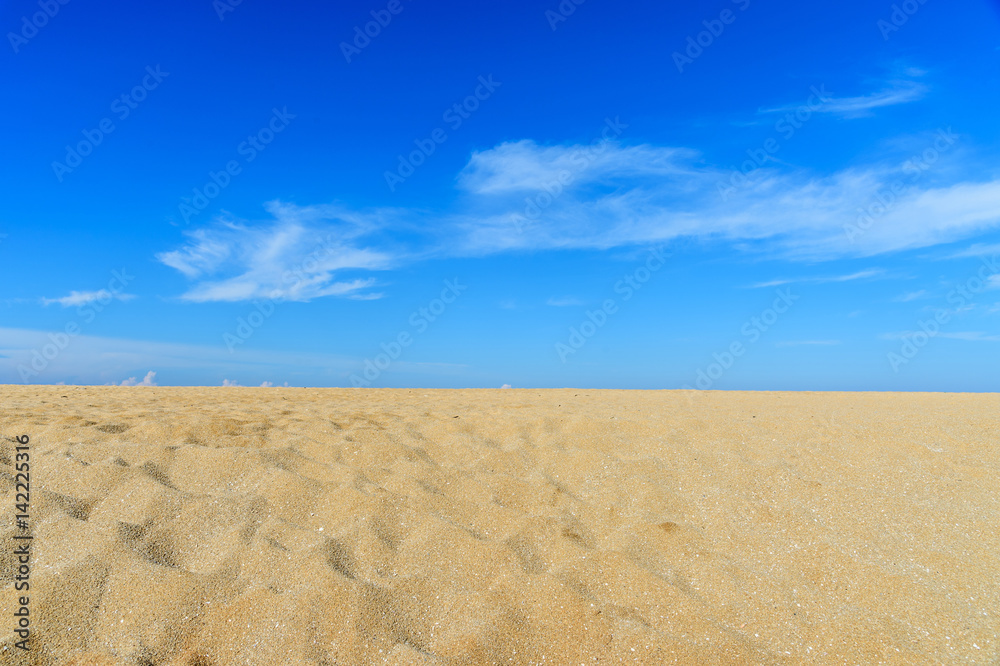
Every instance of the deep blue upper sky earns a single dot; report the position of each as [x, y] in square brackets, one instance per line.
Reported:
[563, 146]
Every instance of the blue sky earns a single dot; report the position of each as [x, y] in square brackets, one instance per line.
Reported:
[729, 194]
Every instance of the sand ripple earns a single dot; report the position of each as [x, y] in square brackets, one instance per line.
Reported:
[293, 526]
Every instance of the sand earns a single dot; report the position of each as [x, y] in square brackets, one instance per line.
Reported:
[196, 526]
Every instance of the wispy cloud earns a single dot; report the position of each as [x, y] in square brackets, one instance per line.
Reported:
[623, 197]
[296, 256]
[895, 92]
[102, 360]
[524, 166]
[205, 252]
[859, 275]
[654, 195]
[78, 298]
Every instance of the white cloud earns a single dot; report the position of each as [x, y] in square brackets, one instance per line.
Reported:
[296, 256]
[647, 195]
[204, 254]
[78, 298]
[859, 275]
[505, 386]
[582, 198]
[896, 92]
[229, 382]
[901, 92]
[146, 381]
[524, 166]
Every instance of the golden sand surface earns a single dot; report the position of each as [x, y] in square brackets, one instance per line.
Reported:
[197, 526]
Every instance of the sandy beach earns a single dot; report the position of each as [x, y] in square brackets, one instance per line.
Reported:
[198, 526]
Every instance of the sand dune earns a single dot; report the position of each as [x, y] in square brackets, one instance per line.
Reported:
[326, 526]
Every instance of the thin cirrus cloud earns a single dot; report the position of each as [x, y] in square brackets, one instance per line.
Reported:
[79, 298]
[297, 256]
[522, 196]
[102, 360]
[849, 277]
[523, 166]
[896, 92]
